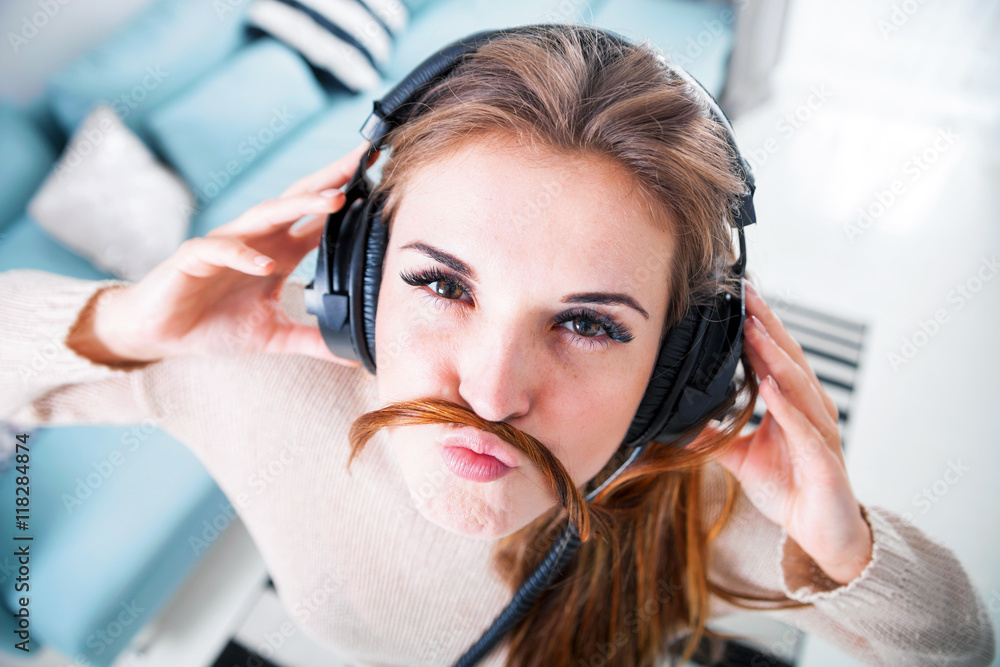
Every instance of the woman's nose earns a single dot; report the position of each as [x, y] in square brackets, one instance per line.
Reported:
[494, 374]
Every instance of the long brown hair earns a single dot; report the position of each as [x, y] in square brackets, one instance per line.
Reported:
[640, 576]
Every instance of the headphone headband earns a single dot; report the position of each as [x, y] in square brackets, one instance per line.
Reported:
[390, 111]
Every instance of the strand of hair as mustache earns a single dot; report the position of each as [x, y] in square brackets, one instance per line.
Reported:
[438, 411]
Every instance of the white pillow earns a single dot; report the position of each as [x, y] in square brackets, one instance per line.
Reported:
[110, 201]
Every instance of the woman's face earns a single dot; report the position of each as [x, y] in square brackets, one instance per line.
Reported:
[531, 290]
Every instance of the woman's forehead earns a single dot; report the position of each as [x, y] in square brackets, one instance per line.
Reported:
[528, 187]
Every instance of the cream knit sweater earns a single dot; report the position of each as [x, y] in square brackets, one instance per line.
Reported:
[359, 569]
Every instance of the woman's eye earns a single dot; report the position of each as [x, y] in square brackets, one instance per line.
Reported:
[594, 327]
[440, 284]
[584, 326]
[447, 289]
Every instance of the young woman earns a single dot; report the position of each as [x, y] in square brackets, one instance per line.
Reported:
[554, 208]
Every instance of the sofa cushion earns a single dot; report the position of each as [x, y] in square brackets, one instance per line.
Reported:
[118, 519]
[110, 201]
[220, 127]
[327, 137]
[341, 37]
[27, 157]
[26, 245]
[166, 47]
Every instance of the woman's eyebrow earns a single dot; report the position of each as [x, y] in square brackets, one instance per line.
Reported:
[616, 298]
[452, 262]
[464, 270]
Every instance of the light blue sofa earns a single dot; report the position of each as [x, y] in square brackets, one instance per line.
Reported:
[123, 550]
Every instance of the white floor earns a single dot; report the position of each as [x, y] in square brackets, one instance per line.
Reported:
[892, 112]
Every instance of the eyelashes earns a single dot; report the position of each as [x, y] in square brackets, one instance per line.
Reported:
[613, 329]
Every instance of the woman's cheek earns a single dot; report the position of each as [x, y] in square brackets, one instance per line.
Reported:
[602, 415]
[430, 335]
[414, 339]
[577, 413]
[394, 339]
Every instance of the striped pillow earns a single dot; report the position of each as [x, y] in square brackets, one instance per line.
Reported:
[351, 39]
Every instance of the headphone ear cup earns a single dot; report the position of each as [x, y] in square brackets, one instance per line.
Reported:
[377, 239]
[694, 372]
[676, 347]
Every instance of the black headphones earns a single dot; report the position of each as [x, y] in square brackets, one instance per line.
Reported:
[692, 380]
[694, 371]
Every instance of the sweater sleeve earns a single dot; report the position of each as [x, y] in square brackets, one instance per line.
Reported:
[42, 380]
[913, 603]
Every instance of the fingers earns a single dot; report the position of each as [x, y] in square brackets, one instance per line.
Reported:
[315, 194]
[202, 257]
[807, 447]
[275, 213]
[756, 306]
[334, 175]
[768, 358]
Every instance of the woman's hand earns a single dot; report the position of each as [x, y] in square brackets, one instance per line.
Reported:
[220, 294]
[792, 466]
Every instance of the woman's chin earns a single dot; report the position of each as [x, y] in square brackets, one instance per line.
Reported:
[460, 511]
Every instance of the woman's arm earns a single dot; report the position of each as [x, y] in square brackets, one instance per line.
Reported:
[87, 339]
[77, 351]
[46, 376]
[912, 604]
[880, 588]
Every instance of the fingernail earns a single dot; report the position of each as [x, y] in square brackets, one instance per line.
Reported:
[261, 260]
[750, 289]
[774, 385]
[755, 324]
[331, 193]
